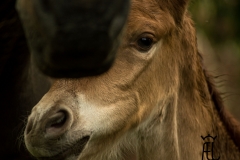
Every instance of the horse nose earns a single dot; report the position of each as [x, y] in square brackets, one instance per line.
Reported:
[52, 125]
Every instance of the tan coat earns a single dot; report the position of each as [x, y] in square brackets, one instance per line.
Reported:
[155, 103]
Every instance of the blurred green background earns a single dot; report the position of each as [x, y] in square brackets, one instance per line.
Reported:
[218, 30]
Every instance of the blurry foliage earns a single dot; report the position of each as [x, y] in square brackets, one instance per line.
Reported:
[218, 29]
[220, 19]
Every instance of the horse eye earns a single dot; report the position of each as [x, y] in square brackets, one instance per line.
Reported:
[144, 43]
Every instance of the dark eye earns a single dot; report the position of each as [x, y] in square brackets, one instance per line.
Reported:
[144, 44]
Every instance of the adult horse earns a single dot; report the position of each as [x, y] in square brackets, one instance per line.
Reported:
[73, 38]
[21, 84]
[156, 102]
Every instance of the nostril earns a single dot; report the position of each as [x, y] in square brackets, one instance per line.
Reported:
[57, 120]
[56, 124]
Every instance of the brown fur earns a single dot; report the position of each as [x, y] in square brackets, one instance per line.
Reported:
[163, 100]
[152, 105]
[231, 124]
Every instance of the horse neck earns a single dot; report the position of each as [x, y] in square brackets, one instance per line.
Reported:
[175, 130]
[198, 116]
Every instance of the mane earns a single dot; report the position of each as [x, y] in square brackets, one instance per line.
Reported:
[231, 124]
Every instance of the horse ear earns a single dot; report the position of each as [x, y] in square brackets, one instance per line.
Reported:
[176, 8]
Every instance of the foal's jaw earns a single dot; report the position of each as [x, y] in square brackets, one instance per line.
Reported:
[71, 121]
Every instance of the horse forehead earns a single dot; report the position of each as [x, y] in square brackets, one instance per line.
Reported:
[149, 13]
[149, 8]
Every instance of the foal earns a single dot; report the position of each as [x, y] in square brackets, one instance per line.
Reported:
[155, 103]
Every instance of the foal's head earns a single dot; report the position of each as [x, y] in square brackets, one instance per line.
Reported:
[97, 115]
